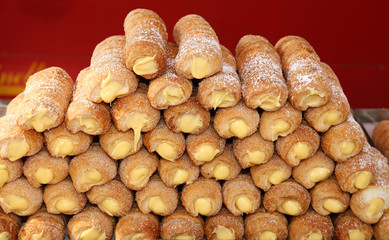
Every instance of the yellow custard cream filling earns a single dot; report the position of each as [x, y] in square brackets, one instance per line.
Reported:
[145, 65]
[221, 99]
[301, 150]
[190, 123]
[203, 206]
[332, 117]
[356, 235]
[239, 128]
[63, 146]
[280, 127]
[17, 149]
[206, 153]
[267, 235]
[184, 237]
[137, 121]
[180, 176]
[269, 102]
[110, 89]
[256, 157]
[4, 236]
[91, 177]
[157, 205]
[333, 205]
[291, 207]
[375, 206]
[39, 119]
[221, 171]
[313, 98]
[172, 95]
[167, 151]
[110, 205]
[44, 175]
[347, 147]
[313, 236]
[88, 123]
[139, 175]
[92, 234]
[362, 179]
[277, 177]
[65, 205]
[244, 204]
[39, 237]
[121, 149]
[16, 203]
[319, 173]
[4, 174]
[223, 233]
[134, 236]
[200, 67]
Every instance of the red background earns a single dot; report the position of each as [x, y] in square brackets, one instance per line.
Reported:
[351, 36]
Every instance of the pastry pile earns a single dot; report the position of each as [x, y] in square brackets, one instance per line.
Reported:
[157, 140]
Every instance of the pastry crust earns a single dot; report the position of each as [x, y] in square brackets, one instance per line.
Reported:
[347, 224]
[9, 225]
[199, 53]
[10, 170]
[380, 137]
[381, 228]
[223, 225]
[259, 65]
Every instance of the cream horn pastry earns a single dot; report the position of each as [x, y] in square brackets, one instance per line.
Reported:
[349, 227]
[313, 170]
[187, 117]
[273, 172]
[91, 223]
[20, 197]
[343, 141]
[168, 144]
[279, 123]
[136, 225]
[381, 228]
[43, 225]
[109, 78]
[46, 98]
[146, 43]
[60, 142]
[85, 115]
[327, 197]
[222, 89]
[380, 137]
[113, 198]
[237, 121]
[63, 198]
[199, 52]
[15, 142]
[307, 80]
[169, 89]
[265, 225]
[204, 147]
[9, 225]
[12, 107]
[222, 167]
[204, 197]
[181, 171]
[45, 169]
[336, 111]
[259, 66]
[119, 145]
[288, 197]
[240, 195]
[157, 198]
[136, 170]
[93, 167]
[181, 225]
[135, 112]
[252, 150]
[311, 225]
[224, 225]
[10, 170]
[298, 145]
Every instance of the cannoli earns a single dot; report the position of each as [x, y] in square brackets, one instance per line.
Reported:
[259, 65]
[204, 147]
[327, 197]
[222, 167]
[349, 227]
[381, 228]
[93, 167]
[168, 144]
[146, 43]
[288, 198]
[307, 81]
[204, 196]
[343, 141]
[63, 198]
[10, 171]
[273, 172]
[240, 195]
[311, 226]
[91, 223]
[380, 137]
[336, 111]
[15, 142]
[223, 89]
[313, 170]
[252, 150]
[239, 121]
[156, 197]
[224, 225]
[169, 89]
[46, 98]
[298, 145]
[85, 115]
[9, 225]
[135, 170]
[43, 225]
[109, 78]
[113, 198]
[265, 225]
[135, 112]
[136, 225]
[45, 169]
[187, 117]
[279, 123]
[60, 142]
[181, 225]
[199, 53]
[20, 197]
[119, 145]
[181, 171]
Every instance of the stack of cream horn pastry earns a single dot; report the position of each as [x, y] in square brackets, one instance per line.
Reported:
[187, 141]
